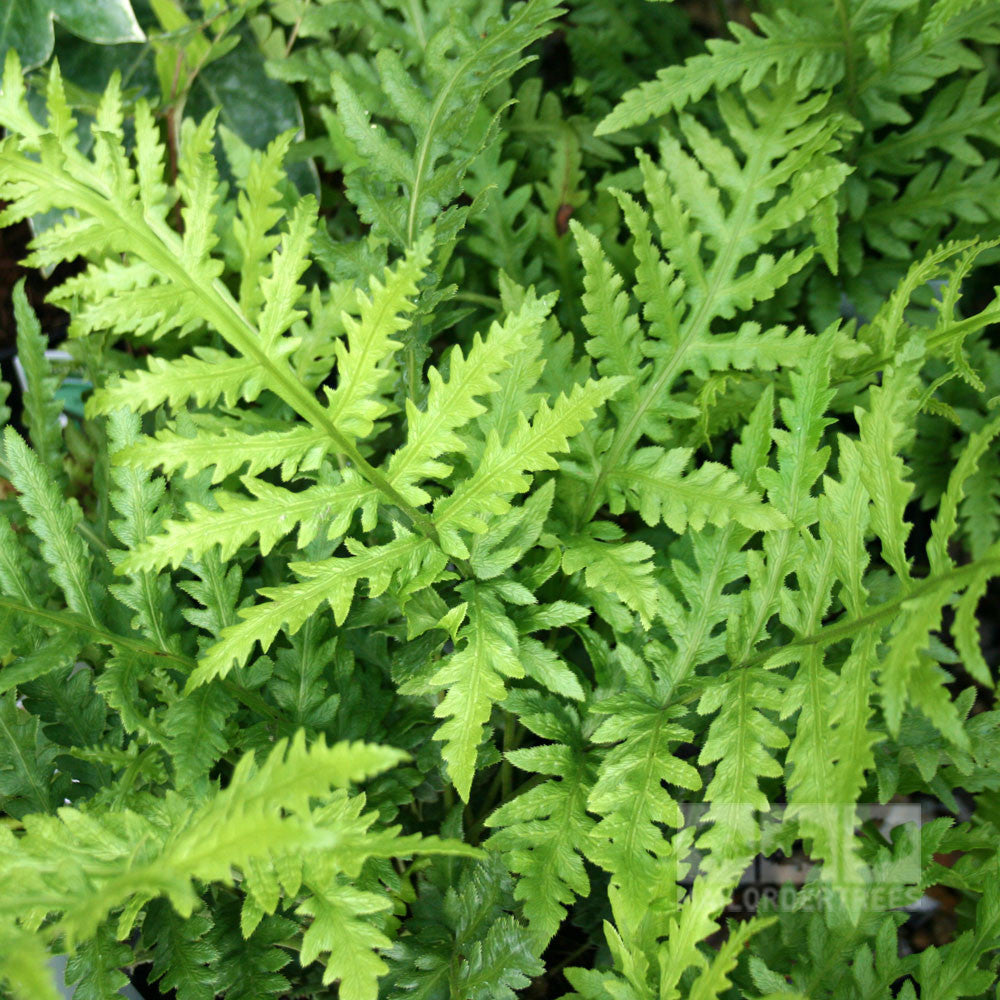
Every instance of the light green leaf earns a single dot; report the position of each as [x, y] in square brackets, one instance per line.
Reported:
[474, 679]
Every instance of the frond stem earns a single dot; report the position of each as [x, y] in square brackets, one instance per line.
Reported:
[884, 612]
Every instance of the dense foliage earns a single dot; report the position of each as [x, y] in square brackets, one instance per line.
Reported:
[545, 469]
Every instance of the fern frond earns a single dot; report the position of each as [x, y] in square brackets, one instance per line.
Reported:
[24, 967]
[198, 187]
[182, 954]
[229, 451]
[654, 483]
[271, 514]
[885, 428]
[630, 793]
[27, 762]
[280, 287]
[829, 757]
[137, 500]
[474, 678]
[354, 405]
[946, 521]
[741, 742]
[615, 341]
[41, 408]
[742, 738]
[956, 112]
[169, 282]
[503, 469]
[545, 832]
[504, 230]
[202, 377]
[623, 569]
[825, 772]
[331, 580]
[257, 213]
[48, 656]
[704, 580]
[194, 727]
[53, 520]
[451, 404]
[339, 930]
[908, 673]
[715, 277]
[267, 802]
[799, 49]
[713, 980]
[418, 178]
[301, 684]
[504, 542]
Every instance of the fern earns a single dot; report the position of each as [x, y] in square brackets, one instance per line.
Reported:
[423, 175]
[599, 469]
[681, 301]
[268, 804]
[545, 832]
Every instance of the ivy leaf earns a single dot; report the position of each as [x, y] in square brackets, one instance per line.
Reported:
[107, 22]
[26, 25]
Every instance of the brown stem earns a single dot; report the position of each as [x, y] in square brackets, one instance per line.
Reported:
[293, 36]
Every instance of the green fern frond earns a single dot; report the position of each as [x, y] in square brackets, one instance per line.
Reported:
[887, 427]
[742, 738]
[272, 513]
[339, 930]
[503, 468]
[53, 520]
[545, 832]
[229, 451]
[137, 499]
[616, 549]
[630, 793]
[713, 980]
[258, 212]
[452, 404]
[201, 377]
[623, 569]
[686, 196]
[194, 727]
[823, 785]
[269, 803]
[24, 965]
[27, 762]
[332, 581]
[41, 408]
[741, 742]
[654, 483]
[474, 677]
[908, 673]
[354, 405]
[420, 176]
[175, 282]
